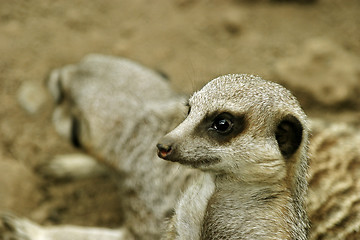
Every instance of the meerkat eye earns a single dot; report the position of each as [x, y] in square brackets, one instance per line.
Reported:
[222, 124]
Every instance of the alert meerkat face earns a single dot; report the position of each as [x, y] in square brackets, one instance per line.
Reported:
[241, 125]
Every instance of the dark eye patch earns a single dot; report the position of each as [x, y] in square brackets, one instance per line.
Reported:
[288, 135]
[221, 127]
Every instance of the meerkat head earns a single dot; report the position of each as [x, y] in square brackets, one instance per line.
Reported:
[243, 126]
[99, 100]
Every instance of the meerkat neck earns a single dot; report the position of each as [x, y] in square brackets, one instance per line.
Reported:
[258, 211]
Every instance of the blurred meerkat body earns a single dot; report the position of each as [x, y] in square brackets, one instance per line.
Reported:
[334, 180]
[117, 110]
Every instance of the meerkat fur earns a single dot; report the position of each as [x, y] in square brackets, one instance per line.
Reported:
[256, 169]
[251, 181]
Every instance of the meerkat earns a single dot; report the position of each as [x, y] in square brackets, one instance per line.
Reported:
[249, 137]
[241, 154]
[117, 110]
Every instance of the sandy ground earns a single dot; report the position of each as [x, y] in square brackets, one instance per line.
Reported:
[191, 41]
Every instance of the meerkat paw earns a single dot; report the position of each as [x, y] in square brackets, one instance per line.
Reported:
[72, 166]
[16, 228]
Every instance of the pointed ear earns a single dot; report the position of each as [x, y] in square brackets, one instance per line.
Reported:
[288, 135]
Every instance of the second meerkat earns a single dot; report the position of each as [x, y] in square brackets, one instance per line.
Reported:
[249, 137]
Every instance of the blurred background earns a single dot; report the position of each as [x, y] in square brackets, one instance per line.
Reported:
[310, 46]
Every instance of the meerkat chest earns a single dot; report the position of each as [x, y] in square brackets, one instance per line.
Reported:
[222, 218]
[230, 216]
[191, 208]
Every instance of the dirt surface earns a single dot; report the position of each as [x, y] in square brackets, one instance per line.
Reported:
[191, 41]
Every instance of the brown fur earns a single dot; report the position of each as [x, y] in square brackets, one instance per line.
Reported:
[334, 181]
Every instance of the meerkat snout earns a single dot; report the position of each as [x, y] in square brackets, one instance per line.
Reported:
[164, 150]
[223, 124]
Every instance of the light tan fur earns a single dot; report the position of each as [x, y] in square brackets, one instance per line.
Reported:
[118, 110]
[258, 193]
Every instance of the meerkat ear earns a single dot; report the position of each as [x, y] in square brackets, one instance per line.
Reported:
[288, 135]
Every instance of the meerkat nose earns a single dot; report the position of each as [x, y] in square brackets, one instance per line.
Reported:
[164, 150]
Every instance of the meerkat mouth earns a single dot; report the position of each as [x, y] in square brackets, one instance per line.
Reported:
[198, 163]
[169, 153]
[164, 154]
